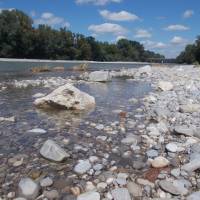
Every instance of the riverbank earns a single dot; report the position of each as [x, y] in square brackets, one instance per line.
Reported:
[141, 141]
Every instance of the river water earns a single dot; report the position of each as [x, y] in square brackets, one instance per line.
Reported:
[111, 98]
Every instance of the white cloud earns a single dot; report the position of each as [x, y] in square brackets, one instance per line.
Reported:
[97, 2]
[120, 37]
[118, 16]
[176, 27]
[176, 40]
[51, 20]
[148, 44]
[142, 33]
[188, 14]
[115, 29]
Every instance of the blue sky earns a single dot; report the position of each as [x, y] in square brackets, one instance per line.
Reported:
[164, 26]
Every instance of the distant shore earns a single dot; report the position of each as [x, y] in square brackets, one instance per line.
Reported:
[65, 61]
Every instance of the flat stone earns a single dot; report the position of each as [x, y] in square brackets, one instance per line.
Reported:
[89, 196]
[28, 188]
[152, 153]
[159, 162]
[51, 195]
[167, 186]
[134, 189]
[190, 108]
[182, 186]
[165, 86]
[184, 130]
[192, 165]
[82, 167]
[121, 194]
[121, 178]
[129, 141]
[193, 196]
[46, 182]
[37, 130]
[172, 147]
[175, 172]
[53, 151]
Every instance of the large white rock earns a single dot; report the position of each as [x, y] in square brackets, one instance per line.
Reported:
[165, 86]
[28, 188]
[53, 151]
[144, 70]
[89, 196]
[100, 76]
[67, 97]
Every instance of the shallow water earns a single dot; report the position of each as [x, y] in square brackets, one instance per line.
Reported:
[110, 98]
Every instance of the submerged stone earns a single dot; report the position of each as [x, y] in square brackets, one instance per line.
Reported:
[53, 151]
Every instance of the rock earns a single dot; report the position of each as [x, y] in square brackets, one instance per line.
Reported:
[144, 70]
[7, 119]
[100, 76]
[152, 153]
[134, 189]
[145, 182]
[102, 186]
[160, 162]
[168, 187]
[38, 95]
[28, 188]
[184, 130]
[192, 165]
[121, 178]
[66, 97]
[46, 182]
[98, 167]
[165, 86]
[172, 147]
[53, 151]
[129, 140]
[193, 196]
[175, 172]
[51, 195]
[182, 186]
[121, 194]
[89, 196]
[82, 167]
[190, 108]
[37, 130]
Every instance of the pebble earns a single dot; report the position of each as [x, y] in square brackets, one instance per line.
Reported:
[46, 182]
[160, 162]
[52, 151]
[51, 195]
[28, 188]
[134, 189]
[172, 147]
[168, 187]
[152, 153]
[82, 167]
[37, 130]
[121, 194]
[194, 196]
[89, 196]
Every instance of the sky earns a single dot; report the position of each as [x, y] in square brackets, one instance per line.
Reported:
[163, 26]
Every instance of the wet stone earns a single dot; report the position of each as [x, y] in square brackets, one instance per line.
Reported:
[28, 188]
[53, 151]
[121, 194]
[82, 167]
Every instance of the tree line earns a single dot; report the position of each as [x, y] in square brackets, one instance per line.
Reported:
[191, 54]
[20, 39]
